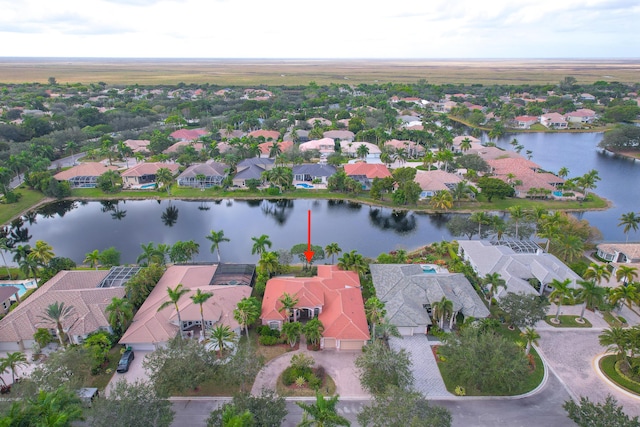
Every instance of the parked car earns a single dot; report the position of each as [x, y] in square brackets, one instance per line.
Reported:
[125, 361]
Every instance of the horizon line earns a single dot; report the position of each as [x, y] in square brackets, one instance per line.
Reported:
[615, 58]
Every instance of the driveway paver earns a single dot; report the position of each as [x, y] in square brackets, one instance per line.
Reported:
[136, 371]
[427, 378]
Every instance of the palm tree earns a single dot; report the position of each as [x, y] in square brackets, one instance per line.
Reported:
[442, 200]
[57, 313]
[630, 221]
[480, 218]
[597, 272]
[269, 262]
[13, 361]
[174, 297]
[323, 413]
[563, 172]
[217, 237]
[247, 312]
[560, 291]
[120, 312]
[441, 309]
[352, 261]
[150, 254]
[374, 309]
[221, 335]
[5, 248]
[41, 253]
[590, 293]
[570, 248]
[260, 244]
[332, 249]
[531, 337]
[460, 191]
[616, 340]
[275, 150]
[626, 274]
[92, 258]
[465, 144]
[313, 330]
[165, 177]
[200, 298]
[627, 294]
[445, 156]
[493, 282]
[200, 177]
[288, 303]
[292, 331]
[428, 159]
[517, 214]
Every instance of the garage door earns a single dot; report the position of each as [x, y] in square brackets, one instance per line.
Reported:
[10, 346]
[351, 345]
[145, 346]
[329, 343]
[405, 330]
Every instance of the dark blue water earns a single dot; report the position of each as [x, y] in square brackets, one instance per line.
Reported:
[80, 228]
[620, 177]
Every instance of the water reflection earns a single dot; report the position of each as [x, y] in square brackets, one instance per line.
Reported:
[398, 221]
[113, 207]
[57, 208]
[170, 216]
[278, 209]
[343, 204]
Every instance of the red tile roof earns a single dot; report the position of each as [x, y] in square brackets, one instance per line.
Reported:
[336, 291]
[84, 169]
[367, 169]
[266, 134]
[149, 169]
[265, 147]
[188, 134]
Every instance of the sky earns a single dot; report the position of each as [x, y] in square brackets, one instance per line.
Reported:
[420, 29]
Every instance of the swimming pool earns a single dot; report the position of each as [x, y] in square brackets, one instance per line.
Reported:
[557, 193]
[304, 185]
[23, 287]
[147, 186]
[428, 269]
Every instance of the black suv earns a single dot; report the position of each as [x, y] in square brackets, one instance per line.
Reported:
[125, 361]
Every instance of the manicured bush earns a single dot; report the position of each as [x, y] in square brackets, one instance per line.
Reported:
[268, 340]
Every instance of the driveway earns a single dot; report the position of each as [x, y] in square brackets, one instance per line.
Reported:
[426, 375]
[136, 371]
[340, 365]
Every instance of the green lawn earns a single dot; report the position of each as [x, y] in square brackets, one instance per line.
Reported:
[533, 380]
[611, 319]
[567, 321]
[607, 365]
[29, 199]
[102, 380]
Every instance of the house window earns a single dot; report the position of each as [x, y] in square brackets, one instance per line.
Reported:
[274, 325]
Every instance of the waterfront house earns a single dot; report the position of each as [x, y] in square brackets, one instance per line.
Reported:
[436, 180]
[366, 172]
[333, 296]
[525, 122]
[252, 168]
[145, 173]
[619, 252]
[313, 172]
[553, 121]
[6, 294]
[212, 172]
[583, 115]
[84, 175]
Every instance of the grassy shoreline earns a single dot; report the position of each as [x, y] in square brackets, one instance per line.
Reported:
[33, 200]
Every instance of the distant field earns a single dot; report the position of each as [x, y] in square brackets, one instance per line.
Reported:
[300, 72]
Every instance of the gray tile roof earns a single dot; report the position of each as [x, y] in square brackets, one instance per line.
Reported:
[405, 289]
[210, 168]
[314, 169]
[253, 167]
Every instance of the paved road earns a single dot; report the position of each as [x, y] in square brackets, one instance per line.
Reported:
[60, 163]
[542, 409]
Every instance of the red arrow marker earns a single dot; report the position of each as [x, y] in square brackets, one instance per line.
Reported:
[309, 253]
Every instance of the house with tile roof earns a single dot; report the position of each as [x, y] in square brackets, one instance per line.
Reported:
[180, 145]
[553, 121]
[619, 252]
[333, 296]
[525, 122]
[145, 173]
[412, 148]
[408, 293]
[582, 115]
[138, 145]
[517, 262]
[324, 145]
[268, 135]
[265, 147]
[319, 120]
[188, 134]
[366, 172]
[342, 135]
[524, 175]
[214, 173]
[436, 180]
[84, 175]
[252, 168]
[7, 293]
[351, 149]
[310, 172]
[152, 329]
[457, 143]
[78, 289]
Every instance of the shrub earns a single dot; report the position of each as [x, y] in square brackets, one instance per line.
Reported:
[314, 382]
[460, 391]
[320, 373]
[268, 340]
[622, 319]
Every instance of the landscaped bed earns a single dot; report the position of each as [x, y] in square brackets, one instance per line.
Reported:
[608, 367]
[568, 321]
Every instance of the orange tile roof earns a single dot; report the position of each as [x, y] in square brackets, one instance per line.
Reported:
[266, 134]
[367, 169]
[265, 147]
[336, 291]
[84, 169]
[188, 134]
[149, 168]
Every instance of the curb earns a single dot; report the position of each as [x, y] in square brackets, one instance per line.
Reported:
[595, 363]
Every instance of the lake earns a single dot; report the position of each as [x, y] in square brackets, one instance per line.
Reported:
[74, 229]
